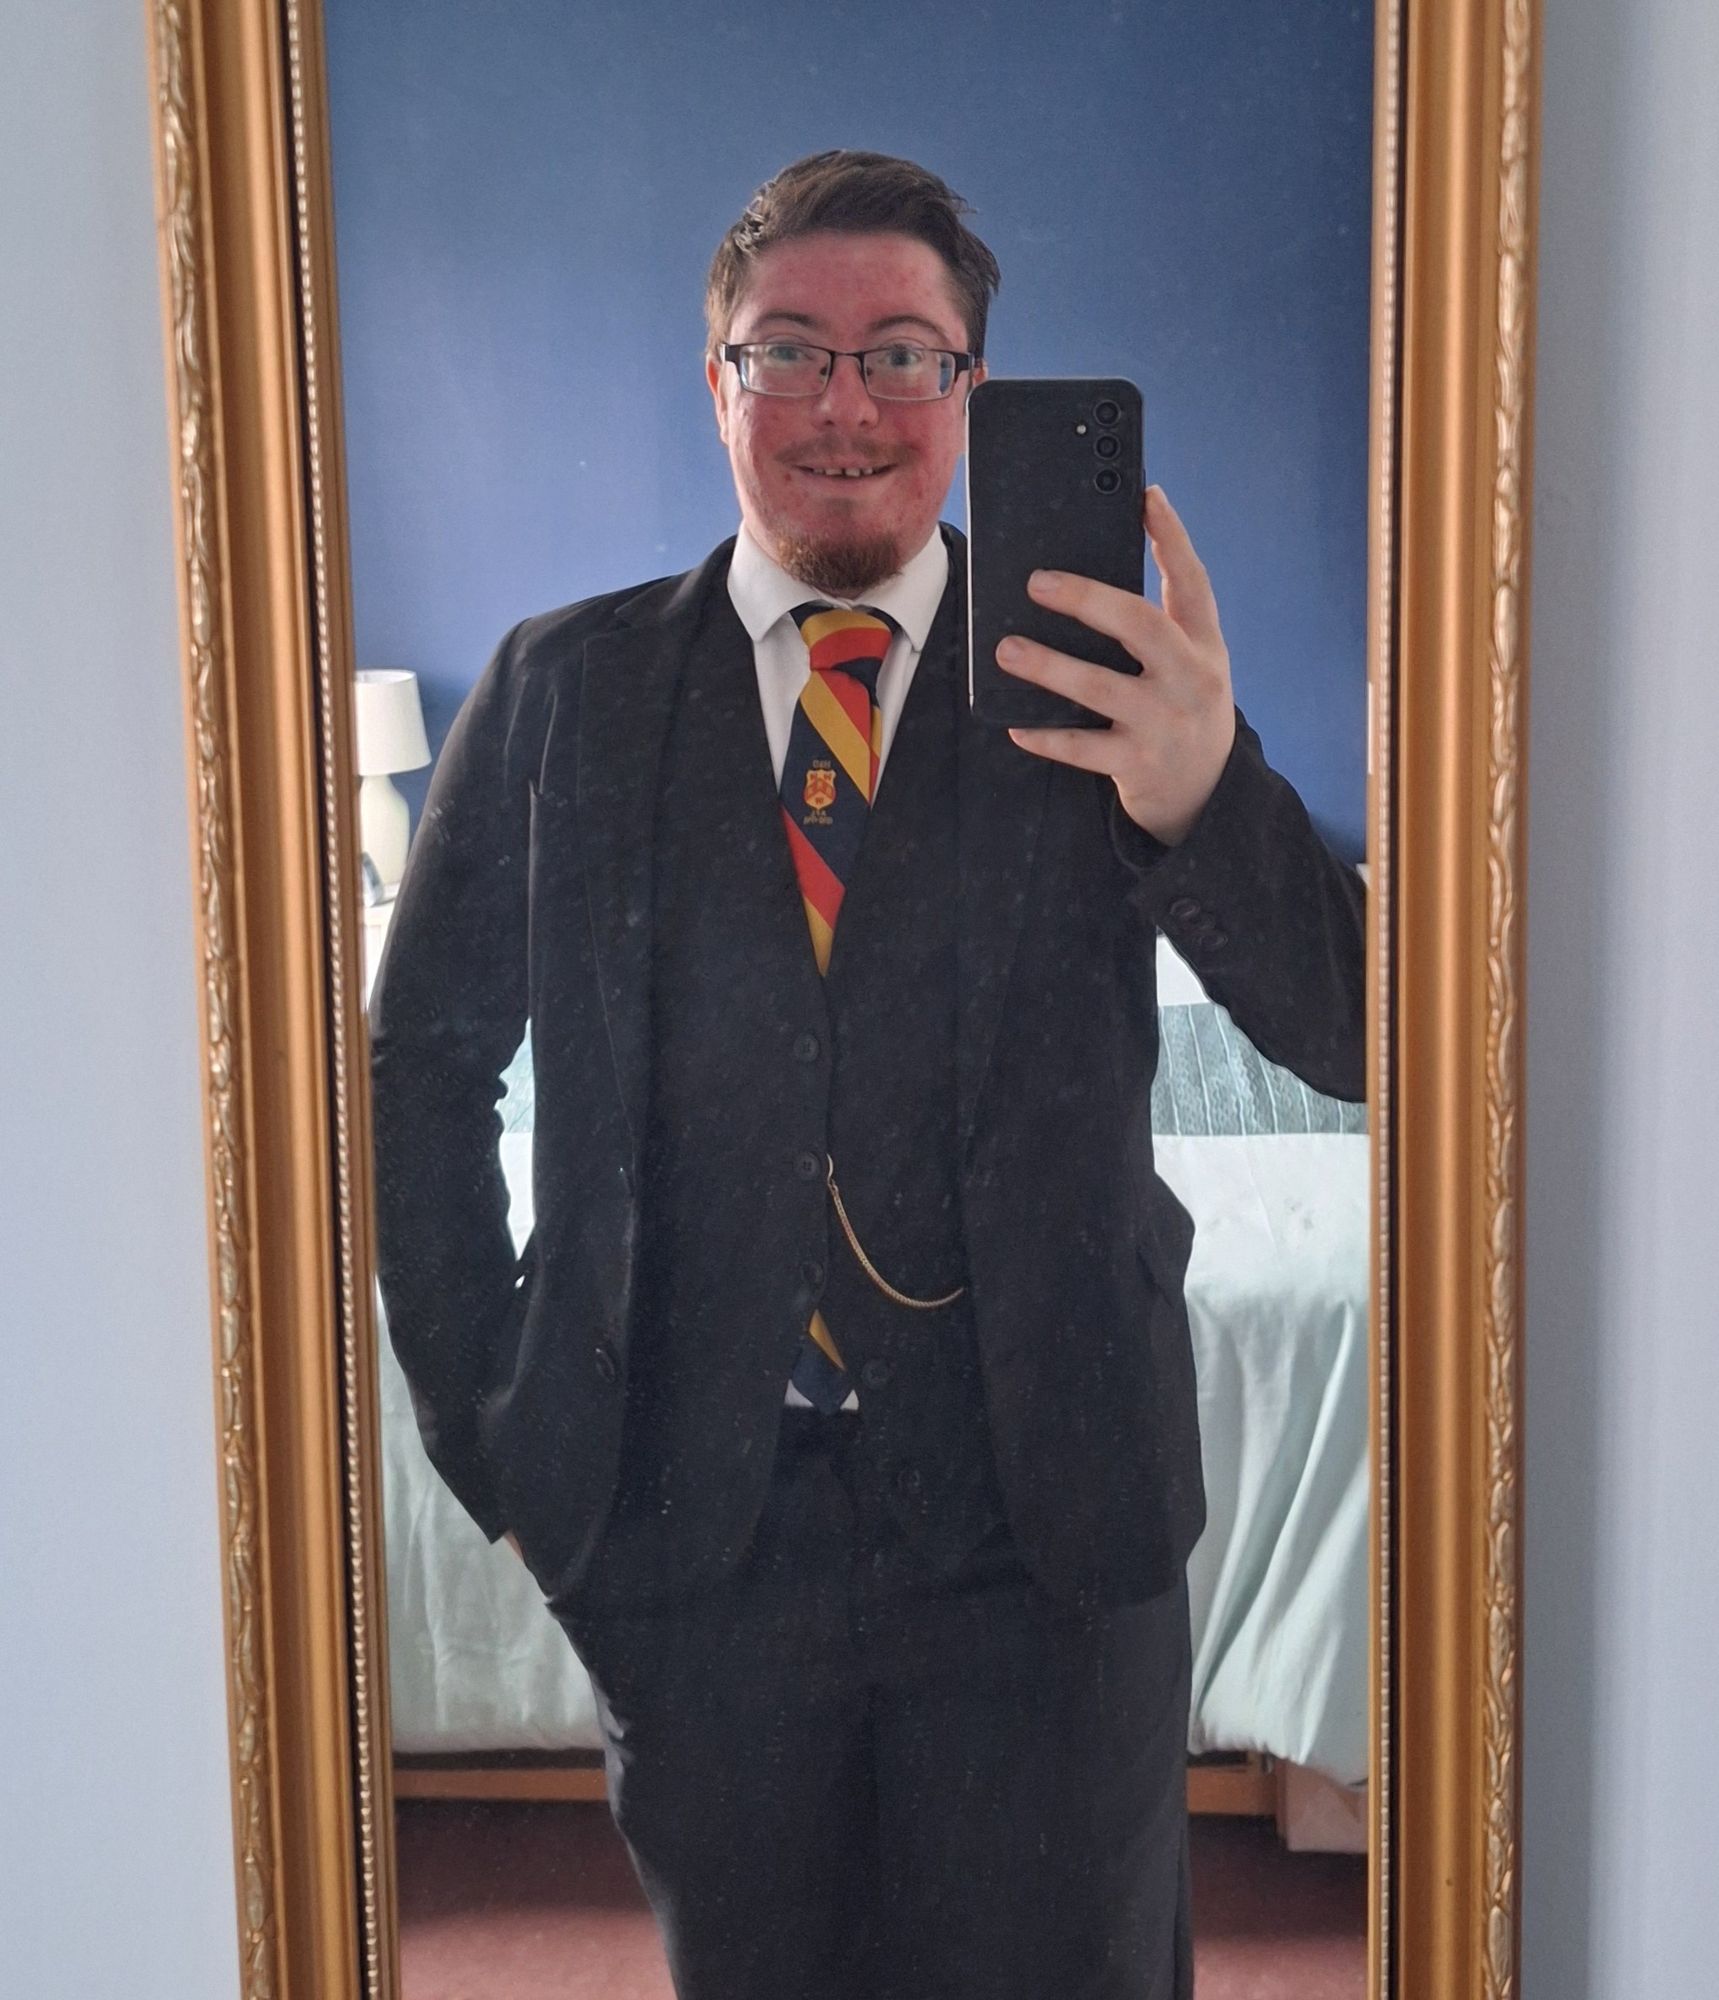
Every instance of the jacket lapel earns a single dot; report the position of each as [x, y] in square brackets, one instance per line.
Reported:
[632, 673]
[1001, 799]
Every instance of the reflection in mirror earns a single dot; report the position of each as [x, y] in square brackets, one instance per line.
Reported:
[792, 1356]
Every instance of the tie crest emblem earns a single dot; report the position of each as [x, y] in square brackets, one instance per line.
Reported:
[820, 792]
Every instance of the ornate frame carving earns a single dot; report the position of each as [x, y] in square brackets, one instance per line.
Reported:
[248, 293]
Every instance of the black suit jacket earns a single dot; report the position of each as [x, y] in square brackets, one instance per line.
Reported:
[528, 897]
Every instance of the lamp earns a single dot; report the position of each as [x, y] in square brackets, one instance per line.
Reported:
[390, 738]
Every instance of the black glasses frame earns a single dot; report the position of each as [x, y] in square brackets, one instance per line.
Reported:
[733, 351]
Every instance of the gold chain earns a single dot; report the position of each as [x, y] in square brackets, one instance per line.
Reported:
[869, 1268]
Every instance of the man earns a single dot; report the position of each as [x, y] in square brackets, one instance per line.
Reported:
[843, 1402]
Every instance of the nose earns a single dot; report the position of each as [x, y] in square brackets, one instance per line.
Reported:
[844, 398]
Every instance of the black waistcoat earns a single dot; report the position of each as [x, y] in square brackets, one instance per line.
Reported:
[760, 1070]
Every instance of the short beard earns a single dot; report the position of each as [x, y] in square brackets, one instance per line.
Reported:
[842, 569]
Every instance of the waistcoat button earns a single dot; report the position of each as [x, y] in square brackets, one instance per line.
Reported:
[806, 1048]
[875, 1374]
[808, 1166]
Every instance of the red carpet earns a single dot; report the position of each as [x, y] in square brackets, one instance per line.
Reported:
[538, 1902]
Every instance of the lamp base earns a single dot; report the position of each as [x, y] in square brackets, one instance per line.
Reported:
[384, 826]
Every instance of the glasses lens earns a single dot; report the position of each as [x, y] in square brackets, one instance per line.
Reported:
[783, 368]
[908, 374]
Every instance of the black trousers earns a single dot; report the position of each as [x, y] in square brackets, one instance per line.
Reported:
[846, 1777]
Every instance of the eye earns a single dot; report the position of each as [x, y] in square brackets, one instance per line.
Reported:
[784, 352]
[902, 358]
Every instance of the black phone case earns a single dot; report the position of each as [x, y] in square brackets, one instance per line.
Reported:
[1035, 500]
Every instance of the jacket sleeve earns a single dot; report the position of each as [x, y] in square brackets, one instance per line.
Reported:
[1273, 923]
[448, 1012]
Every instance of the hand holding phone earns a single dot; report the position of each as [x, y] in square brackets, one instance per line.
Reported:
[1135, 691]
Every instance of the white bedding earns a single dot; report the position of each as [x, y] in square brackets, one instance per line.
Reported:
[1277, 1300]
[475, 1662]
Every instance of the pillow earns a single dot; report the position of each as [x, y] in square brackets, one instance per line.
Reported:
[519, 1091]
[1213, 1083]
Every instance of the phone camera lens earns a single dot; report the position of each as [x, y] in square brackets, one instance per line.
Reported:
[1108, 480]
[1108, 447]
[1108, 412]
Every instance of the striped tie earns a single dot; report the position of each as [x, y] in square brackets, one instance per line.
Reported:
[828, 779]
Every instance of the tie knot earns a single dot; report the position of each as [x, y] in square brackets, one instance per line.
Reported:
[852, 642]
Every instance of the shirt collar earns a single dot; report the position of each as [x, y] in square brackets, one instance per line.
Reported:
[763, 592]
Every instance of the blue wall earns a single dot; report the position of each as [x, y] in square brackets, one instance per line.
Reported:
[528, 195]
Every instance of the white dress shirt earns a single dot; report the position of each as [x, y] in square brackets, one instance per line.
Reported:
[764, 595]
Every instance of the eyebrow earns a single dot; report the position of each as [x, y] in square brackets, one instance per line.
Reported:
[812, 324]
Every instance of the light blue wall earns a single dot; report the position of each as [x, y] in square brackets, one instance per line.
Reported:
[1621, 1838]
[528, 197]
[116, 1850]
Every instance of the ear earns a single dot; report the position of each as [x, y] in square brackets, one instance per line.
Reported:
[975, 375]
[713, 373]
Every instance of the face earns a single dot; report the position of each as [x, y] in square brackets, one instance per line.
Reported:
[792, 457]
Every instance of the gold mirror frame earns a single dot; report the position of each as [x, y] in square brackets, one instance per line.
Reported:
[247, 250]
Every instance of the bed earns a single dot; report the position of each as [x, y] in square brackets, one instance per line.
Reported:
[1276, 1177]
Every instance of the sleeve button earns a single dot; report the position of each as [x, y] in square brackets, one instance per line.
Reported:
[606, 1363]
[1184, 909]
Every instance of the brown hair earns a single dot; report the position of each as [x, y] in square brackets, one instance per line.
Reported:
[855, 193]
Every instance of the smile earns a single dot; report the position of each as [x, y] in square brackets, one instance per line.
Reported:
[843, 471]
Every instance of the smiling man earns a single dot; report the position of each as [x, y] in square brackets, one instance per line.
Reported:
[842, 1402]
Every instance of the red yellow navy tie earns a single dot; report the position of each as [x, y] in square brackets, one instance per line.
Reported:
[829, 778]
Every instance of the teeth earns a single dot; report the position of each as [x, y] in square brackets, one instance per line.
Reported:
[848, 472]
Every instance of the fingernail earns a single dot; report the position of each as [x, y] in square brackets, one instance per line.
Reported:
[1010, 649]
[1044, 583]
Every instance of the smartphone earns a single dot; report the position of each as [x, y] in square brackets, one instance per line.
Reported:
[1053, 482]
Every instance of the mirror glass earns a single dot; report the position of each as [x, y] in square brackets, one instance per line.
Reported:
[930, 1658]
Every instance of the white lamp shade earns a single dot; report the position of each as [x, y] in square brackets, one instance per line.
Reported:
[390, 722]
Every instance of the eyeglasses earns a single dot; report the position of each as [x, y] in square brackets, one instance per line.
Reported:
[902, 372]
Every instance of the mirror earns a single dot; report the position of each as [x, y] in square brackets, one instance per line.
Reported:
[1244, 372]
[522, 238]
